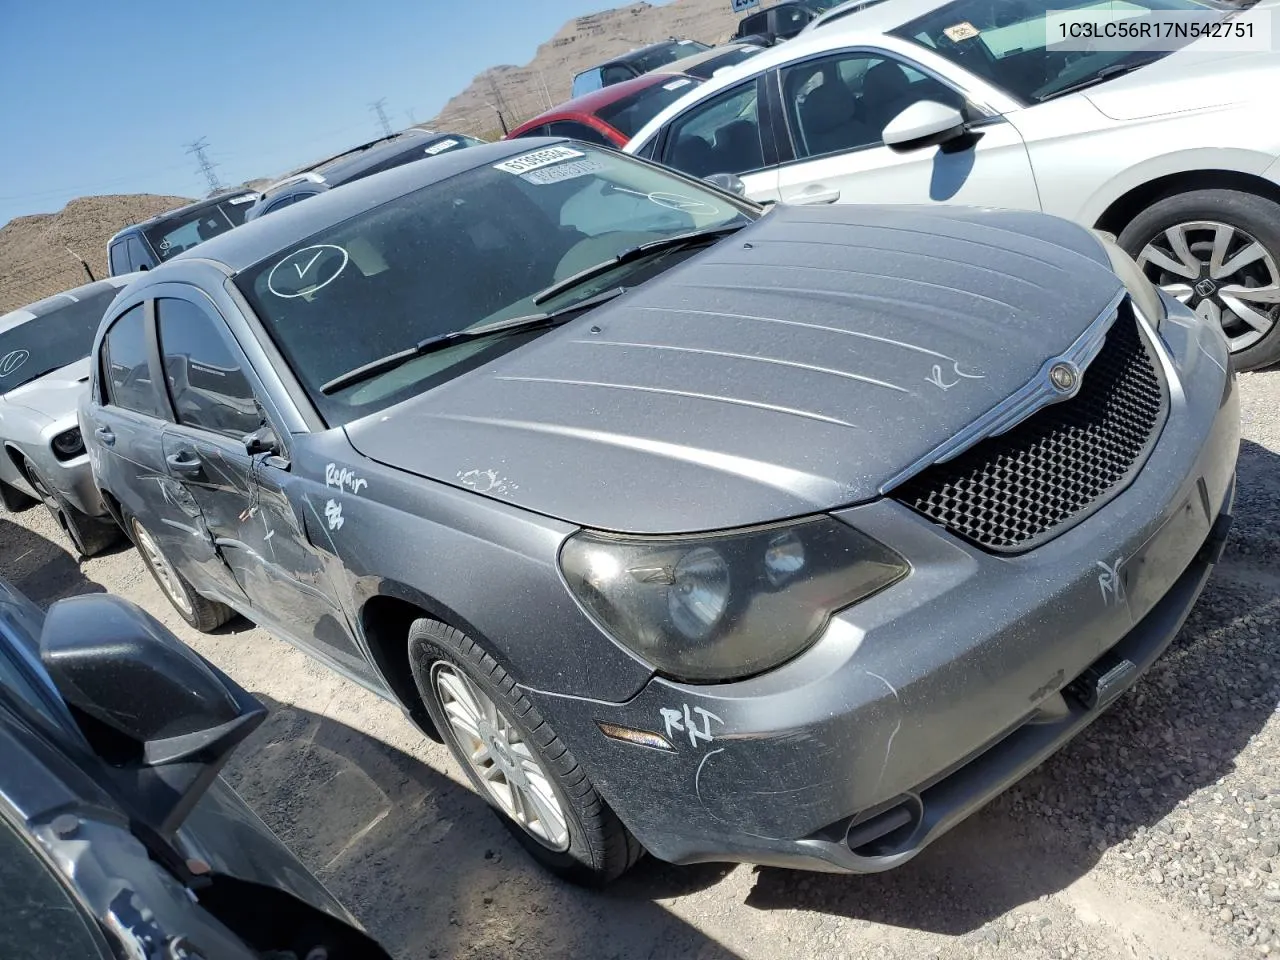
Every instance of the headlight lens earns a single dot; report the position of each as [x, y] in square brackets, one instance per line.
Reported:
[721, 606]
[1143, 291]
[68, 444]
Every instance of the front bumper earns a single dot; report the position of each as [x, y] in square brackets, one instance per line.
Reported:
[919, 705]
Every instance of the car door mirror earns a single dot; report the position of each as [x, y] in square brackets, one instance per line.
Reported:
[926, 123]
[262, 440]
[728, 183]
[162, 718]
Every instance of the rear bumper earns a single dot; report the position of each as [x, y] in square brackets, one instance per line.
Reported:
[921, 704]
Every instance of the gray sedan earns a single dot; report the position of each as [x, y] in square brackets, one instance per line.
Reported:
[787, 538]
[44, 366]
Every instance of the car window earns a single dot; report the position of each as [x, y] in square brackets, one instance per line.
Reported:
[60, 333]
[660, 56]
[1007, 43]
[125, 364]
[473, 250]
[21, 673]
[844, 102]
[118, 259]
[41, 919]
[206, 381]
[578, 131]
[720, 135]
[617, 73]
[792, 20]
[587, 81]
[139, 258]
[532, 132]
[633, 111]
[756, 23]
[174, 234]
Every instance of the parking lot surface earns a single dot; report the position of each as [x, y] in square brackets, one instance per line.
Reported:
[1152, 835]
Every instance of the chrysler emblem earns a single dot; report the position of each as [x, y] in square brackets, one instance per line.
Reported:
[1064, 377]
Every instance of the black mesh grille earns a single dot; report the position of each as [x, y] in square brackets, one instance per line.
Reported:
[1012, 492]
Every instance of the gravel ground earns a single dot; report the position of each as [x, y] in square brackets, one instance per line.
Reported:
[1153, 835]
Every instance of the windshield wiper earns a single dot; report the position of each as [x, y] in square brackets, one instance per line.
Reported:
[443, 341]
[1102, 76]
[637, 253]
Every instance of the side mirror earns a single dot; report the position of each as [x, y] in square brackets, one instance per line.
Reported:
[926, 123]
[262, 440]
[163, 718]
[728, 183]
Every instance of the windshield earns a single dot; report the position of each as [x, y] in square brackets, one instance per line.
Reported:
[474, 249]
[707, 68]
[661, 55]
[633, 111]
[61, 333]
[1005, 42]
[170, 236]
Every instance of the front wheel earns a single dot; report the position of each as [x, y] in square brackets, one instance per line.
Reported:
[1218, 251]
[88, 535]
[514, 759]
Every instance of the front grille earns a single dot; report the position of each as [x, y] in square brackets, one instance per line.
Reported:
[1014, 491]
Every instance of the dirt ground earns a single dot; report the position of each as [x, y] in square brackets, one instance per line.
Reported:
[1153, 835]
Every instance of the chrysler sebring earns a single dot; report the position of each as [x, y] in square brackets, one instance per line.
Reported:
[787, 539]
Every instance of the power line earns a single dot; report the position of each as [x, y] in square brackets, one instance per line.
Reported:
[379, 107]
[206, 165]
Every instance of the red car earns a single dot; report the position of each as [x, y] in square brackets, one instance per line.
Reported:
[612, 115]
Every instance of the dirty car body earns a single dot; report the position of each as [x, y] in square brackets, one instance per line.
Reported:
[806, 533]
[44, 370]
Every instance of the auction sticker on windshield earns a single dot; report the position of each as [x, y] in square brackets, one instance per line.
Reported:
[565, 171]
[440, 147]
[538, 158]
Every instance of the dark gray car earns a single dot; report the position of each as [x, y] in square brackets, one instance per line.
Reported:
[117, 838]
[787, 538]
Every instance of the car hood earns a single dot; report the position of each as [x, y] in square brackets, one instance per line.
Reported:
[792, 368]
[1186, 81]
[55, 395]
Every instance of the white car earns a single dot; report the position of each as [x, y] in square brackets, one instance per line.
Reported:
[1175, 153]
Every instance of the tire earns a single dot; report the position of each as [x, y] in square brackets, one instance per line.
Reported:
[598, 848]
[1198, 216]
[88, 535]
[200, 612]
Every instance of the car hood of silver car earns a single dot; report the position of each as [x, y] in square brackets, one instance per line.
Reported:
[53, 396]
[793, 368]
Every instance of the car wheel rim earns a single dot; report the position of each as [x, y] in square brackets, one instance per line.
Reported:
[1221, 272]
[166, 576]
[501, 758]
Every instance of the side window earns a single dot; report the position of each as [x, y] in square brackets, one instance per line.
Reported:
[535, 132]
[617, 73]
[721, 135]
[138, 256]
[117, 259]
[126, 367]
[208, 386]
[579, 131]
[844, 102]
[757, 23]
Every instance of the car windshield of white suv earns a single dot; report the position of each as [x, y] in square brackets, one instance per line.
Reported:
[1005, 43]
[61, 333]
[172, 235]
[373, 310]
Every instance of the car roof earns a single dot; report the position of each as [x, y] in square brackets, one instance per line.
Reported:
[258, 239]
[195, 207]
[867, 26]
[591, 103]
[685, 64]
[638, 51]
[41, 308]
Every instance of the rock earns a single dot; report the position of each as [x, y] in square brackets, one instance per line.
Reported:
[1218, 888]
[1156, 876]
[1225, 915]
[1268, 848]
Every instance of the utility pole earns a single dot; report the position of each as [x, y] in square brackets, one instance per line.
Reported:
[411, 114]
[206, 165]
[499, 105]
[379, 107]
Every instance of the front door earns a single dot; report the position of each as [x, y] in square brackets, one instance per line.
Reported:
[836, 109]
[243, 499]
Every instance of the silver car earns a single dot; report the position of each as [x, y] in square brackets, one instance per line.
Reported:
[790, 539]
[44, 366]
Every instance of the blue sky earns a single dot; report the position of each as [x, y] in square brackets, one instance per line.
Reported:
[100, 97]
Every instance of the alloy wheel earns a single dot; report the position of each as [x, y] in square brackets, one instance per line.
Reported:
[1222, 273]
[166, 575]
[500, 757]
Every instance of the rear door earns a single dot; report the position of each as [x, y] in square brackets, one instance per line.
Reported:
[243, 499]
[835, 109]
[129, 418]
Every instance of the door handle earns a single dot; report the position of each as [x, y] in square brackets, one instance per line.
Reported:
[185, 464]
[817, 194]
[105, 435]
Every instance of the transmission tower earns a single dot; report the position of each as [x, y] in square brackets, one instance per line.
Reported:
[206, 165]
[379, 107]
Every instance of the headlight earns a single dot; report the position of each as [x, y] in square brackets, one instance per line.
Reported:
[68, 444]
[1143, 291]
[721, 606]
